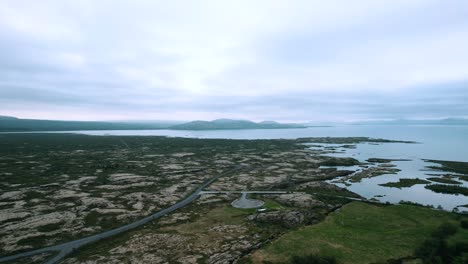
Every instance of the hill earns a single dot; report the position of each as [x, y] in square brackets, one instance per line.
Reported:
[13, 124]
[7, 117]
[232, 124]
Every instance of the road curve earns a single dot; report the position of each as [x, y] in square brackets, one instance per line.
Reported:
[66, 248]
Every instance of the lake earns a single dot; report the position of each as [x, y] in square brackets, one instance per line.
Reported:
[434, 142]
[437, 142]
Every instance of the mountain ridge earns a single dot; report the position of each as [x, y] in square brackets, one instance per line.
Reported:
[220, 124]
[13, 124]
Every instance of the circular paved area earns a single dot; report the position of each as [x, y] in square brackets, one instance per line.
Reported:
[244, 202]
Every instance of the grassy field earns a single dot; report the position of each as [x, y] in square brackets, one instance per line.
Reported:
[362, 233]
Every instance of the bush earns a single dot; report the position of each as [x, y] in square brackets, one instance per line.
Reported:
[460, 248]
[464, 224]
[313, 259]
[460, 260]
[450, 189]
[430, 248]
[445, 230]
[436, 249]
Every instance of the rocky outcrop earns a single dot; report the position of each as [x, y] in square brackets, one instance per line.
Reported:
[319, 185]
[302, 200]
[288, 219]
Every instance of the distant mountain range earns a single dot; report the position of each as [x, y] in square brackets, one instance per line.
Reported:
[13, 124]
[232, 124]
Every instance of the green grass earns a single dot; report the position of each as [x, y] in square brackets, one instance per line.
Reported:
[463, 177]
[461, 235]
[360, 233]
[34, 195]
[50, 227]
[449, 189]
[333, 161]
[404, 182]
[452, 166]
[446, 245]
[273, 205]
[32, 241]
[222, 215]
[198, 227]
[443, 180]
[331, 196]
[379, 160]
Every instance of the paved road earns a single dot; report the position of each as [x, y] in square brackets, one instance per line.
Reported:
[68, 247]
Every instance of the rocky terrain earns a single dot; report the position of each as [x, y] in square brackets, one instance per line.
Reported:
[59, 187]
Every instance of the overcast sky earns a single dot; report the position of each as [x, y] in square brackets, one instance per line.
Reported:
[260, 60]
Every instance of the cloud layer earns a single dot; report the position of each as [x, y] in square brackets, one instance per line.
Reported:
[263, 59]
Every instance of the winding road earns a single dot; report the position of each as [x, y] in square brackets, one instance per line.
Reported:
[68, 247]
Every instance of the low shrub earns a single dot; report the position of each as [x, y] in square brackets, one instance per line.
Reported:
[445, 230]
[464, 224]
[313, 259]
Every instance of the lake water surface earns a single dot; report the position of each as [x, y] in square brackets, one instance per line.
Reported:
[434, 142]
[437, 142]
